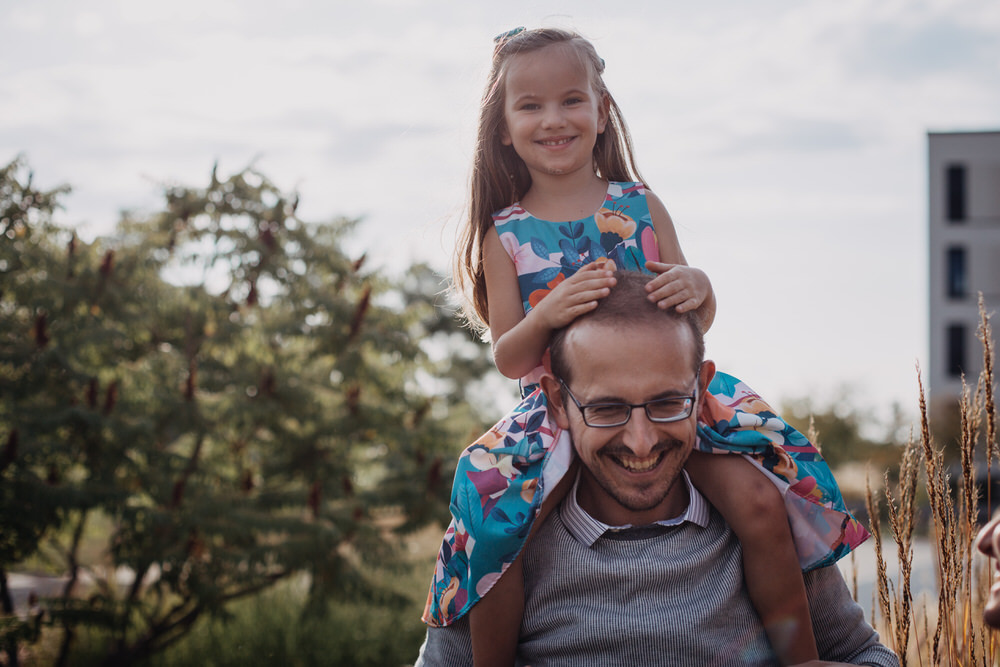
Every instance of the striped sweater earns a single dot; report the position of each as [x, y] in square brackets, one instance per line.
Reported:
[656, 595]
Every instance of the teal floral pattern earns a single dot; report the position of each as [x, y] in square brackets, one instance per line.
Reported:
[503, 477]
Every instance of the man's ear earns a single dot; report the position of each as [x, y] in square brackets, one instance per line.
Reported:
[705, 376]
[554, 394]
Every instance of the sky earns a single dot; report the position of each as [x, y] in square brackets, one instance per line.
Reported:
[788, 139]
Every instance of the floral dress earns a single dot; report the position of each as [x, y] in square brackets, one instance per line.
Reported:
[503, 477]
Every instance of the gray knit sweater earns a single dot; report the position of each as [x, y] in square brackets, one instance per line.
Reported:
[655, 596]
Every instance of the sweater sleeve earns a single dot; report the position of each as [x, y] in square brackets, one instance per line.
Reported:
[449, 646]
[842, 634]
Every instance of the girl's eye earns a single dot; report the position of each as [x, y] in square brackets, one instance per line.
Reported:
[574, 100]
[531, 106]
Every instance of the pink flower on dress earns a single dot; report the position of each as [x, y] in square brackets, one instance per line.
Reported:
[855, 534]
[650, 247]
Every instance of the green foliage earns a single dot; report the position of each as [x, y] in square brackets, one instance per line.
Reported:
[845, 431]
[271, 629]
[242, 399]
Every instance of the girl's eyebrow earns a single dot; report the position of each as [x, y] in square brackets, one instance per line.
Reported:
[565, 93]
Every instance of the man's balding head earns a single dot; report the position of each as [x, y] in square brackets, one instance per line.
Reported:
[626, 307]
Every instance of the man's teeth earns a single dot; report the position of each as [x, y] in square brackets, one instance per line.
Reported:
[635, 464]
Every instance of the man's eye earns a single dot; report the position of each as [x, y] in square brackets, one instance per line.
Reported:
[669, 407]
[611, 411]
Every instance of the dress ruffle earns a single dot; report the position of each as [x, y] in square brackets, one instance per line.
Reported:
[503, 478]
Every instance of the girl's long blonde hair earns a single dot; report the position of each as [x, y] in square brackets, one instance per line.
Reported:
[500, 178]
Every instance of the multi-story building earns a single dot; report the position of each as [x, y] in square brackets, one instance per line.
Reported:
[964, 245]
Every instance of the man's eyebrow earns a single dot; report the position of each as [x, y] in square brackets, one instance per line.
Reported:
[618, 399]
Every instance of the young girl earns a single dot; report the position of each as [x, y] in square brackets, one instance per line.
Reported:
[556, 205]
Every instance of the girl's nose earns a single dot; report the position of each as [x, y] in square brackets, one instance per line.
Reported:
[553, 117]
[640, 434]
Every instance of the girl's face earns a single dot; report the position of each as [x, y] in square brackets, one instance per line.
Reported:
[552, 115]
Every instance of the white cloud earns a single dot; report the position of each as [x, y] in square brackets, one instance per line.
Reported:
[787, 138]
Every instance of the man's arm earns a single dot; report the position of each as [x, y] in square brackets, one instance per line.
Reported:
[842, 634]
[447, 647]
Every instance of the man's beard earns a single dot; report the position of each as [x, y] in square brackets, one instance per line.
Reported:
[633, 502]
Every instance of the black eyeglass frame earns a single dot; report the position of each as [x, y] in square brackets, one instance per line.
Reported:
[693, 398]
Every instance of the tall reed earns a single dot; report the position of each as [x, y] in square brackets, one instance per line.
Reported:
[959, 636]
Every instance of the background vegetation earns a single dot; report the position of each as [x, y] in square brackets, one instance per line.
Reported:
[212, 401]
[948, 630]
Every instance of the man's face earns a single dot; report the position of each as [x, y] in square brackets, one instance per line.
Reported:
[988, 542]
[629, 471]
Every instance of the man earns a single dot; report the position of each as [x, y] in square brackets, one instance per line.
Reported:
[988, 543]
[634, 567]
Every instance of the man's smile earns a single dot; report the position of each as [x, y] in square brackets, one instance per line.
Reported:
[638, 464]
[625, 458]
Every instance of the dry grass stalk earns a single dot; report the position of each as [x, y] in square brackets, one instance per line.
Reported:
[854, 575]
[969, 510]
[959, 635]
[812, 434]
[901, 522]
[985, 335]
[989, 410]
[940, 502]
[882, 580]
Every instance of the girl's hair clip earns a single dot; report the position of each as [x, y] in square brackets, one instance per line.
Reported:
[504, 36]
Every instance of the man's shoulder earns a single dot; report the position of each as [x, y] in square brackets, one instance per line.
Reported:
[449, 646]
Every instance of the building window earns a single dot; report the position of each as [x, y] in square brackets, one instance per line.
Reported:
[955, 196]
[956, 349]
[957, 273]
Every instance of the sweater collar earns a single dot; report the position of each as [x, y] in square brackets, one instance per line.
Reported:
[587, 530]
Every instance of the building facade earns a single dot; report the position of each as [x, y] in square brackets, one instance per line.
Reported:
[964, 245]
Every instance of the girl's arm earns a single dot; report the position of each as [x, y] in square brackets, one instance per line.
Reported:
[519, 341]
[677, 284]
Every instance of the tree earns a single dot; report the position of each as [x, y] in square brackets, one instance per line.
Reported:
[844, 431]
[242, 400]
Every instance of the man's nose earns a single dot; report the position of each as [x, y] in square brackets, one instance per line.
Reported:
[640, 434]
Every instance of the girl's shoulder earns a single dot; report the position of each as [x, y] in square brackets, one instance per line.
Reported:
[512, 212]
[625, 189]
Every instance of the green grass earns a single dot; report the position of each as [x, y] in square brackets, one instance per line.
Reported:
[270, 630]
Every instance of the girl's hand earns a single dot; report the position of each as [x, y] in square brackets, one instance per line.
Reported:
[574, 296]
[677, 285]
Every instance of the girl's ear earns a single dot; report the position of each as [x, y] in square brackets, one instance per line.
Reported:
[505, 136]
[603, 111]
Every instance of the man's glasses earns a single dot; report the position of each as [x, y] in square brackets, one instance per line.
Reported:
[659, 410]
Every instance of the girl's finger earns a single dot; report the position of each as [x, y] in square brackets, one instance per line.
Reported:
[685, 306]
[666, 292]
[660, 281]
[591, 295]
[672, 301]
